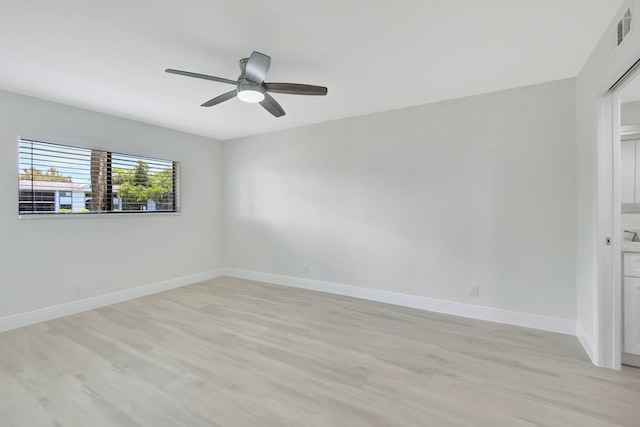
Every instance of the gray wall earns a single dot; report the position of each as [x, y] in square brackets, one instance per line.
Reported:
[630, 113]
[420, 201]
[46, 262]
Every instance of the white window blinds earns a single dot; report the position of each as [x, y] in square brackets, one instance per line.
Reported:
[56, 178]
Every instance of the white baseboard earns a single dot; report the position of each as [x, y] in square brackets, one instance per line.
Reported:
[74, 307]
[631, 359]
[587, 344]
[534, 321]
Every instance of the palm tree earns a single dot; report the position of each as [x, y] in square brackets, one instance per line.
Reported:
[101, 192]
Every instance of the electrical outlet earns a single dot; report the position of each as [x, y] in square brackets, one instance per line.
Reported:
[306, 268]
[473, 289]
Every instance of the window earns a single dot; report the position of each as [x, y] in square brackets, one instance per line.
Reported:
[57, 178]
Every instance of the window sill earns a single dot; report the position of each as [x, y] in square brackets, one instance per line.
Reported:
[94, 215]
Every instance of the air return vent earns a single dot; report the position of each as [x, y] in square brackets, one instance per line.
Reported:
[624, 26]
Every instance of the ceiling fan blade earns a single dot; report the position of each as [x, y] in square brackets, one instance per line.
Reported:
[218, 99]
[295, 89]
[257, 67]
[201, 76]
[272, 106]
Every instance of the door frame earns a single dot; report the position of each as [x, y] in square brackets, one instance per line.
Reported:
[609, 256]
[609, 293]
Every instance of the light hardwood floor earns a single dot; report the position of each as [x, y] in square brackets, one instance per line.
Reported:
[232, 352]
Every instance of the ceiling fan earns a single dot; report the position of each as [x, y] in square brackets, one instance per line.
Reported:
[251, 87]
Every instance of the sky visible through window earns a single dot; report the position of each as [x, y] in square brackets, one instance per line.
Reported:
[67, 161]
[75, 163]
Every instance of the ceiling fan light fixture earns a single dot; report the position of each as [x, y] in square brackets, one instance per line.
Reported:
[250, 93]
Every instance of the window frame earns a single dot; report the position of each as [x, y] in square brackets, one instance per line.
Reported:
[176, 200]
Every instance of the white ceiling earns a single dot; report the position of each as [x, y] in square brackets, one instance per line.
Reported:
[373, 55]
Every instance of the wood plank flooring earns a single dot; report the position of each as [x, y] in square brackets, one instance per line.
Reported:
[231, 352]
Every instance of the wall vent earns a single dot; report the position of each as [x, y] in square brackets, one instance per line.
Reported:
[624, 26]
